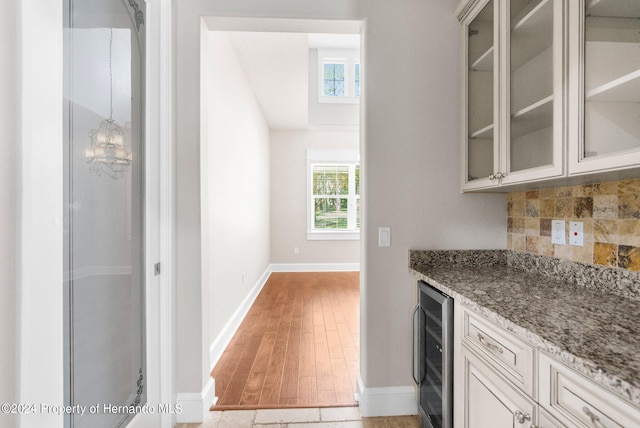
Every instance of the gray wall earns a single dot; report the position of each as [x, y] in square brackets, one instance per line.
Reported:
[412, 169]
[411, 164]
[8, 117]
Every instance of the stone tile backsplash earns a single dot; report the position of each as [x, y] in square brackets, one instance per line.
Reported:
[610, 212]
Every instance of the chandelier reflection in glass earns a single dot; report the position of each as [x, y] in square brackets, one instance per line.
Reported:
[108, 152]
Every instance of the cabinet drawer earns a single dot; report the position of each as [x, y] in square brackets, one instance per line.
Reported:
[510, 355]
[579, 402]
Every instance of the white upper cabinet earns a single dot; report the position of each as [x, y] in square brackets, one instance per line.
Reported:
[513, 78]
[604, 113]
[551, 91]
[534, 135]
[481, 136]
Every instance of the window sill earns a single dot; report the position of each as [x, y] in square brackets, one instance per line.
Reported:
[339, 100]
[333, 236]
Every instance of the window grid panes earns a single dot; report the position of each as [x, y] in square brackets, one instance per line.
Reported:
[336, 197]
[339, 77]
[334, 79]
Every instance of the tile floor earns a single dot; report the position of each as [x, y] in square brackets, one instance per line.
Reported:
[332, 417]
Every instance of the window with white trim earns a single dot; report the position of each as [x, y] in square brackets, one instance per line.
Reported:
[333, 211]
[338, 76]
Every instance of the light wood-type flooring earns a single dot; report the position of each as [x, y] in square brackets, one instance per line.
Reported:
[298, 346]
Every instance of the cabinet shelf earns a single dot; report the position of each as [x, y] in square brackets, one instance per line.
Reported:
[530, 32]
[532, 16]
[625, 89]
[484, 62]
[485, 133]
[614, 8]
[534, 117]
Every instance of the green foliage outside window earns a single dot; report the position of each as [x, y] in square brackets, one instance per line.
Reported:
[331, 196]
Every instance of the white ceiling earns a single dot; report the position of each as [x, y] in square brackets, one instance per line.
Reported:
[277, 68]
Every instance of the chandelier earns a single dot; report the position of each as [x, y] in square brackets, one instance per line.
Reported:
[108, 152]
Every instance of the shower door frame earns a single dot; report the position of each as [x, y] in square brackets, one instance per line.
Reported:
[39, 170]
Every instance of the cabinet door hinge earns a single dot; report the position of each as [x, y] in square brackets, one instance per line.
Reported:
[156, 269]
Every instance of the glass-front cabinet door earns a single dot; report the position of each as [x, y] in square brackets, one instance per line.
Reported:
[534, 136]
[605, 114]
[480, 133]
[514, 91]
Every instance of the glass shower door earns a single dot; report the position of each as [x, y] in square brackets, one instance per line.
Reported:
[104, 212]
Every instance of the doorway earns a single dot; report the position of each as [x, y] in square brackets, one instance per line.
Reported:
[239, 154]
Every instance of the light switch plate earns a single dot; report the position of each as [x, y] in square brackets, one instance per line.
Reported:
[557, 232]
[576, 234]
[384, 237]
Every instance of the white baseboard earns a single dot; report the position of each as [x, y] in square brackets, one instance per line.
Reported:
[315, 267]
[194, 406]
[222, 341]
[387, 401]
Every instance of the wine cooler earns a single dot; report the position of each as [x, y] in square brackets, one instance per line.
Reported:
[433, 356]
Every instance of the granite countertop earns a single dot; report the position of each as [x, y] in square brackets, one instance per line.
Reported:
[586, 316]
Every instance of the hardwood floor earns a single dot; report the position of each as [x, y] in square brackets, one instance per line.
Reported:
[297, 347]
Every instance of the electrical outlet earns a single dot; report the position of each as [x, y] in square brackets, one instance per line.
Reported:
[295, 250]
[558, 232]
[576, 233]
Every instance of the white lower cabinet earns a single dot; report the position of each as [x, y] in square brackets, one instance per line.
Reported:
[545, 420]
[500, 381]
[578, 402]
[489, 400]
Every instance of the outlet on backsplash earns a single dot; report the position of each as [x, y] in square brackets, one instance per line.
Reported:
[609, 211]
[576, 236]
[557, 232]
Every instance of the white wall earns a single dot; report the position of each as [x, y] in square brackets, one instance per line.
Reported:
[237, 198]
[39, 228]
[411, 163]
[8, 82]
[289, 198]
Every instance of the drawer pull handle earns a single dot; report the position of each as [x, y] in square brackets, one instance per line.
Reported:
[491, 346]
[521, 417]
[595, 420]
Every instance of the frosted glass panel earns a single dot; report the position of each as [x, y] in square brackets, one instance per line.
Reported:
[104, 212]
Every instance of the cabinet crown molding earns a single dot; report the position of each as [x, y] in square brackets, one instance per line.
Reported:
[463, 8]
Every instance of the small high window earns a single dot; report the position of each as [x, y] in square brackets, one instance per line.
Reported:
[338, 76]
[333, 75]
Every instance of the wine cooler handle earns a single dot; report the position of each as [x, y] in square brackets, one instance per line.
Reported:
[417, 365]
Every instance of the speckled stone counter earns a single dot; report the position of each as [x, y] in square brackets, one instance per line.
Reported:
[584, 315]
